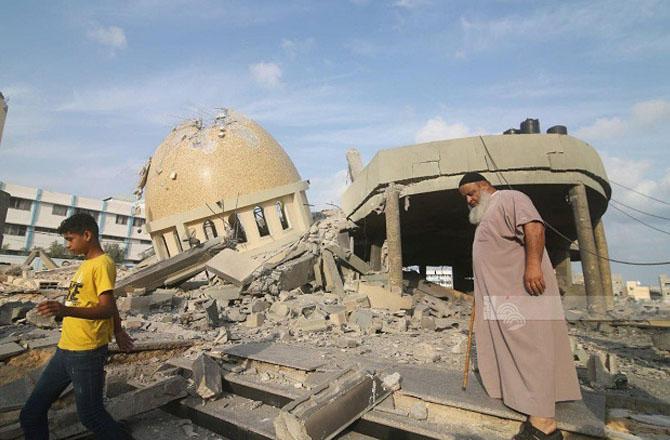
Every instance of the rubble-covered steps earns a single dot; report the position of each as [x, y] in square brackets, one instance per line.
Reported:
[430, 403]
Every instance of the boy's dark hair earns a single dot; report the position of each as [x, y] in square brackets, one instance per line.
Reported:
[78, 223]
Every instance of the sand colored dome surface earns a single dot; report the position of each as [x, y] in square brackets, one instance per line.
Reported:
[199, 163]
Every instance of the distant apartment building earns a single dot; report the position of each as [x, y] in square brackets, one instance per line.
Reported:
[34, 215]
[638, 291]
[664, 282]
[442, 275]
[618, 285]
[3, 113]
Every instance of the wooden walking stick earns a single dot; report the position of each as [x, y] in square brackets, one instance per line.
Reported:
[466, 370]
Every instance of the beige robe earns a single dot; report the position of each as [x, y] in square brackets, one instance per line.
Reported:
[523, 350]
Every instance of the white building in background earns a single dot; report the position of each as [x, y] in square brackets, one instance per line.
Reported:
[664, 282]
[34, 214]
[442, 275]
[636, 290]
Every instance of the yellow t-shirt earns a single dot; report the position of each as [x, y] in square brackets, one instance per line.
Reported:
[94, 276]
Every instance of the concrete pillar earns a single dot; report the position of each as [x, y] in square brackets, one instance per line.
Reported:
[376, 256]
[393, 238]
[587, 249]
[564, 270]
[4, 206]
[605, 270]
[354, 162]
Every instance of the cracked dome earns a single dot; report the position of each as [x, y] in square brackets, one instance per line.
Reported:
[199, 164]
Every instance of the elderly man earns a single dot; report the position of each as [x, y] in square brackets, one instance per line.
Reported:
[523, 351]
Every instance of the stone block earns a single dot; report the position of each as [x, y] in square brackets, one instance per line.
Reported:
[311, 325]
[445, 323]
[160, 299]
[296, 273]
[332, 275]
[338, 318]
[207, 376]
[392, 382]
[279, 311]
[419, 411]
[134, 304]
[9, 350]
[356, 301]
[362, 319]
[428, 323]
[598, 375]
[235, 315]
[40, 321]
[440, 308]
[381, 298]
[255, 319]
[224, 294]
[232, 266]
[259, 305]
[425, 352]
[49, 341]
[14, 310]
[420, 311]
[329, 409]
[212, 311]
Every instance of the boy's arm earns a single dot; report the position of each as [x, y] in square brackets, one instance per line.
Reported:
[123, 339]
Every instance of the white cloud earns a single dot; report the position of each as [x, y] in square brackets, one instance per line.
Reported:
[410, 4]
[112, 37]
[648, 113]
[328, 190]
[437, 129]
[266, 74]
[643, 115]
[296, 47]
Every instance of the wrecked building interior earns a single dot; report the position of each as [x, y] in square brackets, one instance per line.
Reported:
[255, 319]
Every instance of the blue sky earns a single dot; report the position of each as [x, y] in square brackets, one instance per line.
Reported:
[94, 87]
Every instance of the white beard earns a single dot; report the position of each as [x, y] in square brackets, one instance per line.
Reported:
[477, 212]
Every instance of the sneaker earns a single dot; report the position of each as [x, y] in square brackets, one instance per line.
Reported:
[529, 432]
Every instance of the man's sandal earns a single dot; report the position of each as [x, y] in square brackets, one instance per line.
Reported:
[529, 432]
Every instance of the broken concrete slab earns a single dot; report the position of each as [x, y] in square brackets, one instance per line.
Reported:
[173, 270]
[381, 298]
[255, 319]
[362, 320]
[300, 358]
[440, 308]
[332, 275]
[41, 321]
[9, 350]
[50, 341]
[207, 375]
[338, 318]
[232, 266]
[329, 409]
[311, 325]
[349, 258]
[438, 291]
[425, 352]
[13, 395]
[297, 272]
[356, 301]
[66, 424]
[278, 311]
[211, 309]
[225, 293]
[134, 304]
[14, 310]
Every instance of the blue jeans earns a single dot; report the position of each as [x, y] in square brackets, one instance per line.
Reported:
[85, 370]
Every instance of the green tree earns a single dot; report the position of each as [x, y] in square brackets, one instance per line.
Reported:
[58, 250]
[115, 251]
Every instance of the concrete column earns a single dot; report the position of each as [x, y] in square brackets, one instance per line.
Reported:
[564, 270]
[354, 162]
[393, 238]
[605, 270]
[587, 248]
[4, 206]
[376, 256]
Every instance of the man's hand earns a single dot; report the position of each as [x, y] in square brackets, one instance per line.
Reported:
[124, 340]
[534, 280]
[51, 308]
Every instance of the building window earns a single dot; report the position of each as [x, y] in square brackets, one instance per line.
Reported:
[90, 212]
[262, 225]
[281, 214]
[121, 219]
[209, 230]
[138, 222]
[59, 210]
[238, 229]
[45, 230]
[22, 204]
[19, 230]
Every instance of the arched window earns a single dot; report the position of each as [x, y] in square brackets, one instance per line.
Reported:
[237, 228]
[261, 223]
[281, 214]
[209, 229]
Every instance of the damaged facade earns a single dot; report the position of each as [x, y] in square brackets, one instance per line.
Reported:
[224, 178]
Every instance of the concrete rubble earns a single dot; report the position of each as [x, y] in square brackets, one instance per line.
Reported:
[315, 294]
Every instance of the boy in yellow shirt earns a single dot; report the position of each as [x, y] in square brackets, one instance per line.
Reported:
[90, 317]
